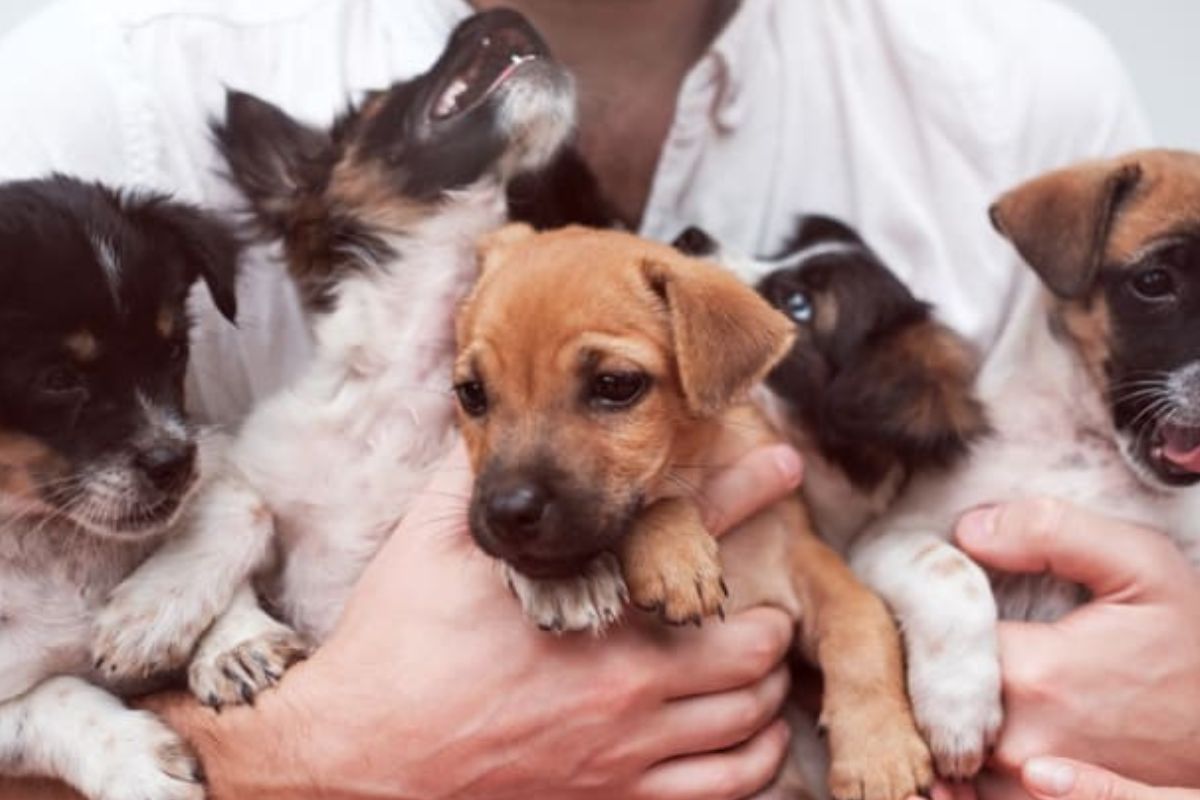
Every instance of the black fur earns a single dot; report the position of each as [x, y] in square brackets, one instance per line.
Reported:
[284, 167]
[53, 286]
[847, 385]
[565, 193]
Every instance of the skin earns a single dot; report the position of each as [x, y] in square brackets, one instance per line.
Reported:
[1116, 682]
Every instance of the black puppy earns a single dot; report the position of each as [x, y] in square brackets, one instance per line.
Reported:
[96, 460]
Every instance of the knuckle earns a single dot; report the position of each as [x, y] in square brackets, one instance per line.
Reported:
[746, 711]
[1042, 516]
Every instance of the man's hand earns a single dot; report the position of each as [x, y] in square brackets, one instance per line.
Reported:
[1062, 779]
[1117, 681]
[435, 685]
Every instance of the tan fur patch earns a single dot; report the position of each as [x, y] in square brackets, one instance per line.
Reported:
[1087, 323]
[367, 190]
[949, 363]
[23, 461]
[165, 323]
[1165, 200]
[83, 346]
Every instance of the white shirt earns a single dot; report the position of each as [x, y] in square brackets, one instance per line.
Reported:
[904, 117]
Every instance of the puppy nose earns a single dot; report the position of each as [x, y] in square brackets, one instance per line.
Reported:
[515, 512]
[167, 466]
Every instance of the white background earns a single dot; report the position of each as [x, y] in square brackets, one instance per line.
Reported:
[1156, 38]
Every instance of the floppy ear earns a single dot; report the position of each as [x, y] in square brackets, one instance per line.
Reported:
[1060, 222]
[912, 395]
[208, 246]
[726, 337]
[273, 159]
[493, 248]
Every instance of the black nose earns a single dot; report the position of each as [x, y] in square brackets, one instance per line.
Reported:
[515, 512]
[167, 466]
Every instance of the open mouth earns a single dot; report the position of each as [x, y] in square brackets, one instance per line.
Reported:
[1177, 447]
[488, 52]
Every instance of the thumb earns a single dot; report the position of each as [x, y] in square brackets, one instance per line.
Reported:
[1062, 779]
[1048, 535]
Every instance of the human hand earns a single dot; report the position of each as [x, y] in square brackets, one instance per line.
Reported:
[1117, 681]
[434, 684]
[1063, 779]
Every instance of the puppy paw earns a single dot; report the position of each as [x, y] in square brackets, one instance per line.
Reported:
[143, 760]
[237, 674]
[958, 707]
[678, 577]
[877, 756]
[140, 634]
[593, 601]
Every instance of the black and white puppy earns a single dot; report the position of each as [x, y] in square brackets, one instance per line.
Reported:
[97, 462]
[378, 217]
[875, 389]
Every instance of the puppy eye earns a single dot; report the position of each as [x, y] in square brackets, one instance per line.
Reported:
[59, 381]
[612, 390]
[1155, 284]
[472, 397]
[798, 306]
[178, 352]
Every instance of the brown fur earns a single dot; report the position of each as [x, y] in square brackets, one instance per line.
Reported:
[547, 308]
[83, 346]
[21, 459]
[1072, 224]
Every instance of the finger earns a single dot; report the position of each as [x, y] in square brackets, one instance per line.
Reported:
[448, 490]
[728, 775]
[739, 492]
[715, 722]
[993, 785]
[1063, 779]
[1042, 534]
[952, 790]
[720, 657]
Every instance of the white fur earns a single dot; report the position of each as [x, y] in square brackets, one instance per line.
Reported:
[55, 717]
[1053, 437]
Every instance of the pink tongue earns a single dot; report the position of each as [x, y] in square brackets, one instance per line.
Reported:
[1182, 449]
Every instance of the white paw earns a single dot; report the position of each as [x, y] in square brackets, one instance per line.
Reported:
[236, 675]
[956, 702]
[593, 601]
[140, 634]
[143, 760]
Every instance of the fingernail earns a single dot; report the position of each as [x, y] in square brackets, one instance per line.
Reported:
[979, 523]
[790, 465]
[1049, 776]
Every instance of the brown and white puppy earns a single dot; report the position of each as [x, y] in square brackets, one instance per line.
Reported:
[875, 389]
[1093, 392]
[600, 378]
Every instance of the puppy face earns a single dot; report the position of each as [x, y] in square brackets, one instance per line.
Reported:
[588, 361]
[1117, 243]
[494, 105]
[93, 345]
[875, 381]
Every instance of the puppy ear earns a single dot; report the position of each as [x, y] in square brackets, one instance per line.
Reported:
[493, 248]
[1060, 222]
[912, 395]
[273, 159]
[726, 337]
[208, 246]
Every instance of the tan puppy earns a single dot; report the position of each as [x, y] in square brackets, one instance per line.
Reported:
[601, 377]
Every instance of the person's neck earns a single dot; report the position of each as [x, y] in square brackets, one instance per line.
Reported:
[599, 38]
[629, 58]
